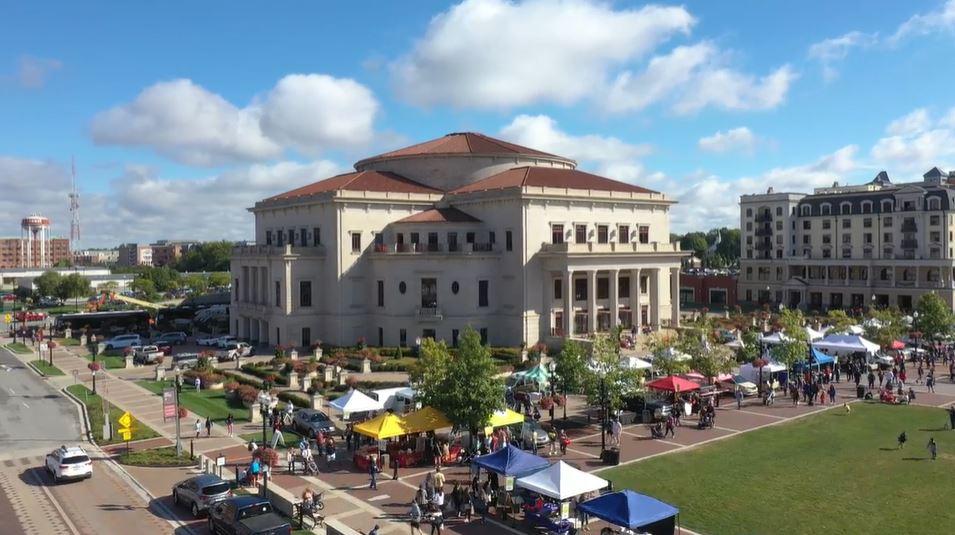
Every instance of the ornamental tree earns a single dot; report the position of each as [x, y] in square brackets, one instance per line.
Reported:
[934, 317]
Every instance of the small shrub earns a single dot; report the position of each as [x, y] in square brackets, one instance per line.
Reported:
[351, 381]
[231, 386]
[293, 398]
[247, 394]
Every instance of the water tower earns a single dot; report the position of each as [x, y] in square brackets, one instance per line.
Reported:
[34, 242]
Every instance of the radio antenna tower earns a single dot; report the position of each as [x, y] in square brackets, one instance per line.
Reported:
[74, 207]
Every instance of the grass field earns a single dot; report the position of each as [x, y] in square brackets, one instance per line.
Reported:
[18, 347]
[45, 368]
[110, 362]
[830, 473]
[94, 408]
[205, 403]
[156, 457]
[63, 342]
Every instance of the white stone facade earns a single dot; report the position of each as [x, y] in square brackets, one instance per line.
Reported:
[519, 261]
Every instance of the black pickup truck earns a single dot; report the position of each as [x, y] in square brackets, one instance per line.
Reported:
[246, 515]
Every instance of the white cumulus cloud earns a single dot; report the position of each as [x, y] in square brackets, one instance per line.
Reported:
[941, 20]
[739, 139]
[184, 121]
[917, 142]
[500, 53]
[830, 51]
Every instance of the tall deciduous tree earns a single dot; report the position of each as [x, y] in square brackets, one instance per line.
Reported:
[885, 327]
[74, 286]
[618, 381]
[839, 321]
[934, 317]
[571, 366]
[666, 357]
[796, 348]
[48, 283]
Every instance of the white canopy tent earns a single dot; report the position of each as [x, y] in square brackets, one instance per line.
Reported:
[355, 401]
[841, 344]
[775, 338]
[813, 335]
[561, 481]
[634, 363]
[751, 373]
[856, 330]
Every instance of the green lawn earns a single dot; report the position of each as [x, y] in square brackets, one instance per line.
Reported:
[110, 362]
[156, 457]
[205, 403]
[94, 408]
[831, 473]
[67, 341]
[18, 347]
[45, 368]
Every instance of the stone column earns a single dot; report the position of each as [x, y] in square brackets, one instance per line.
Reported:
[568, 304]
[674, 297]
[614, 298]
[654, 288]
[635, 308]
[592, 300]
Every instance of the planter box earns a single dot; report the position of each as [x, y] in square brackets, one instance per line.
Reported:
[316, 401]
[129, 362]
[293, 380]
[293, 354]
[160, 373]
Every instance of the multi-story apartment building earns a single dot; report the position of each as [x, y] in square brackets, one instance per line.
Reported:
[165, 252]
[95, 257]
[134, 254]
[16, 253]
[461, 230]
[878, 243]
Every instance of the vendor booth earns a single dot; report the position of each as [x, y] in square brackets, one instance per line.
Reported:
[817, 360]
[510, 461]
[771, 369]
[774, 339]
[426, 419]
[355, 401]
[634, 363]
[633, 511]
[846, 343]
[561, 481]
[674, 384]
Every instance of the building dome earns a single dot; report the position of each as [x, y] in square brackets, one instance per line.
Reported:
[458, 159]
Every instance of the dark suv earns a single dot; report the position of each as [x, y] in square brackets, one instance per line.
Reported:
[310, 421]
[246, 515]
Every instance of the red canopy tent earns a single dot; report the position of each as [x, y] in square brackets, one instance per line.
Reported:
[673, 384]
[897, 344]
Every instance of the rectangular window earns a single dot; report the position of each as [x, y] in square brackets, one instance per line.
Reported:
[887, 237]
[867, 237]
[508, 240]
[379, 239]
[356, 242]
[557, 233]
[483, 332]
[867, 222]
[381, 337]
[807, 225]
[491, 237]
[236, 286]
[934, 220]
[429, 293]
[558, 286]
[432, 241]
[469, 237]
[749, 225]
[644, 282]
[826, 224]
[305, 293]
[603, 288]
[280, 235]
[454, 337]
[846, 223]
[452, 241]
[268, 237]
[482, 293]
[415, 238]
[779, 210]
[779, 253]
[580, 233]
[303, 237]
[827, 238]
[805, 239]
[602, 234]
[316, 236]
[580, 289]
[749, 212]
[644, 232]
[278, 293]
[935, 236]
[623, 287]
[403, 337]
[847, 238]
[887, 221]
[381, 293]
[306, 336]
[291, 236]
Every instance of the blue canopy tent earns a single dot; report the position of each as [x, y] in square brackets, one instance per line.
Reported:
[634, 511]
[511, 461]
[817, 359]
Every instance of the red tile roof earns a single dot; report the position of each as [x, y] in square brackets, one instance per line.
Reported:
[440, 215]
[549, 177]
[382, 181]
[461, 143]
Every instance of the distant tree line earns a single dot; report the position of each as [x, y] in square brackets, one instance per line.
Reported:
[705, 247]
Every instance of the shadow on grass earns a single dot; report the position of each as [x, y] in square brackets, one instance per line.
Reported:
[915, 458]
[889, 449]
[935, 429]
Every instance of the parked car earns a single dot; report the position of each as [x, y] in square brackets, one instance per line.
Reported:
[65, 463]
[147, 355]
[201, 492]
[658, 409]
[123, 341]
[50, 302]
[748, 387]
[234, 351]
[531, 432]
[176, 338]
[185, 360]
[309, 422]
[246, 515]
[164, 346]
[226, 340]
[208, 341]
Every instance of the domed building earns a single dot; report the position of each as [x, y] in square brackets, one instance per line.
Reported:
[457, 231]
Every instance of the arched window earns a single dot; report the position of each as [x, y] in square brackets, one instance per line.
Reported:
[934, 203]
[845, 208]
[886, 205]
[825, 208]
[866, 207]
[805, 210]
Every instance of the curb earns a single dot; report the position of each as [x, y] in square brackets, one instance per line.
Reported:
[37, 370]
[84, 416]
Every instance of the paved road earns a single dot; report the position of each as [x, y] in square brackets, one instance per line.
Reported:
[34, 420]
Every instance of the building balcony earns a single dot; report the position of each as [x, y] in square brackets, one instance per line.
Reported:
[764, 217]
[429, 314]
[611, 247]
[909, 226]
[432, 248]
[266, 251]
[762, 246]
[764, 231]
[910, 244]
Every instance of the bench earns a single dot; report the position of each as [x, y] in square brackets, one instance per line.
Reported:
[302, 514]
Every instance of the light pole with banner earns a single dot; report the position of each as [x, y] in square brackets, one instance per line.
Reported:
[178, 374]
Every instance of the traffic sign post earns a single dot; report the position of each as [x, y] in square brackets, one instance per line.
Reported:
[125, 428]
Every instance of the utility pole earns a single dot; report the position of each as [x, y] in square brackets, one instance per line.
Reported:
[178, 387]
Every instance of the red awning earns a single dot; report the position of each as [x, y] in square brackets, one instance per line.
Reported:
[896, 344]
[673, 384]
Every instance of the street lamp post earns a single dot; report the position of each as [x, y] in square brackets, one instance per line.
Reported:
[603, 409]
[264, 410]
[178, 374]
[552, 367]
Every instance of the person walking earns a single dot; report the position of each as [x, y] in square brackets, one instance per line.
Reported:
[871, 378]
[277, 435]
[230, 424]
[414, 517]
[438, 480]
[832, 394]
[373, 471]
[902, 439]
[951, 416]
[208, 426]
[616, 428]
[198, 384]
[930, 382]
[669, 427]
[739, 398]
[932, 447]
[198, 427]
[254, 470]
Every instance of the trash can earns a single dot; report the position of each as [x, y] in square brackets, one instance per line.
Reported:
[860, 392]
[611, 457]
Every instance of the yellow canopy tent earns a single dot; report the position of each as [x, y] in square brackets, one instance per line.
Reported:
[426, 419]
[384, 426]
[502, 418]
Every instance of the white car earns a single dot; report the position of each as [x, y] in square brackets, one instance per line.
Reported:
[226, 340]
[234, 351]
[66, 463]
[208, 341]
[123, 341]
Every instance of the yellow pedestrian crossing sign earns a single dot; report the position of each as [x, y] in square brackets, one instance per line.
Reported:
[126, 433]
[7, 318]
[126, 420]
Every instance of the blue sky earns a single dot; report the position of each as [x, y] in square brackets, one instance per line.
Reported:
[182, 114]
